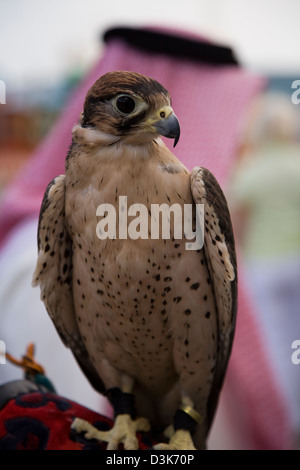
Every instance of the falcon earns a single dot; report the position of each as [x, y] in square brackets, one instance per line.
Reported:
[150, 322]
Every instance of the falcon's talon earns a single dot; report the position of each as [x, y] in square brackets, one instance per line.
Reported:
[123, 431]
[169, 431]
[181, 440]
[80, 425]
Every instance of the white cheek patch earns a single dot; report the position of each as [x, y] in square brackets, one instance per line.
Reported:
[92, 137]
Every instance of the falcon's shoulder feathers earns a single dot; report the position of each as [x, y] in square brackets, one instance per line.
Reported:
[220, 254]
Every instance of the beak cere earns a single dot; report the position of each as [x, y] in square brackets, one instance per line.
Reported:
[169, 127]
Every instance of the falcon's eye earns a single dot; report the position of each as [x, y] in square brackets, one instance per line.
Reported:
[125, 104]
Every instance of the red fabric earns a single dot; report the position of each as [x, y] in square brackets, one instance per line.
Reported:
[42, 421]
[211, 103]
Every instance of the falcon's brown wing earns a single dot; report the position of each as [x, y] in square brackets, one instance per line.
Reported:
[220, 254]
[53, 273]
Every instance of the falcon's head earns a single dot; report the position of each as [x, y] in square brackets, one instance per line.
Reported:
[131, 107]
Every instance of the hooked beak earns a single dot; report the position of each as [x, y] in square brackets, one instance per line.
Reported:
[169, 127]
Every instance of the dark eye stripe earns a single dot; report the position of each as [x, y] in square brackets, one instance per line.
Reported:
[126, 125]
[125, 104]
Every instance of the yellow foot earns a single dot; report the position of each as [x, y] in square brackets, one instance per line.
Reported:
[180, 440]
[123, 431]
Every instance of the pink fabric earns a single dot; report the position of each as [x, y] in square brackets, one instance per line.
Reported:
[210, 102]
[255, 397]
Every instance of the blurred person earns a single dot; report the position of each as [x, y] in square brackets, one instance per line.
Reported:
[265, 200]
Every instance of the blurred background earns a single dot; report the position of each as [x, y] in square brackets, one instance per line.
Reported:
[47, 48]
